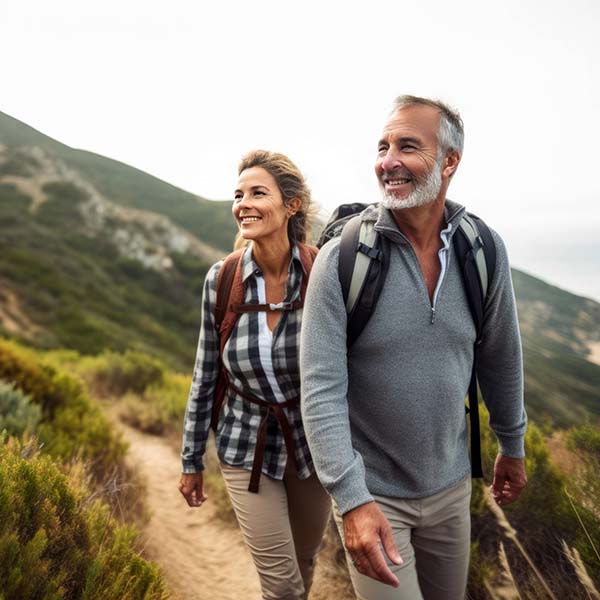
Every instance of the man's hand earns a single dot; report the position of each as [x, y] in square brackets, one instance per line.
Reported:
[365, 530]
[190, 485]
[509, 479]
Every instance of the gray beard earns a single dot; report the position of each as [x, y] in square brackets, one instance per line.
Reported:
[424, 193]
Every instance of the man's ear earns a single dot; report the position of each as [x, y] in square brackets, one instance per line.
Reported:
[293, 206]
[450, 163]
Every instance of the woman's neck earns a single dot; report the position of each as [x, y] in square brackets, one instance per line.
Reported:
[272, 256]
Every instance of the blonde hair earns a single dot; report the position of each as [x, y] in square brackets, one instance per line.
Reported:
[291, 184]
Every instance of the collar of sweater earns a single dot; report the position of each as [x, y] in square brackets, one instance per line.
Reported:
[386, 225]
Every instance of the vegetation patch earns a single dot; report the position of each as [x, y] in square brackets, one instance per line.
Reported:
[55, 544]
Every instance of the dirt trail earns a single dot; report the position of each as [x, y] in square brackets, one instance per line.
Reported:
[201, 558]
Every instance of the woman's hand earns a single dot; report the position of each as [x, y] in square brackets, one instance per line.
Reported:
[190, 486]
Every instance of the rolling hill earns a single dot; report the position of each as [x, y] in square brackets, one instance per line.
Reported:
[95, 254]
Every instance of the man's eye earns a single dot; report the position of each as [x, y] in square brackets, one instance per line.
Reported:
[382, 149]
[408, 147]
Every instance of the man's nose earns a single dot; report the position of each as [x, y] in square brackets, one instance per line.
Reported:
[390, 161]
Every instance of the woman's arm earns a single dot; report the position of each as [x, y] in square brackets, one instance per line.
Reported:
[200, 400]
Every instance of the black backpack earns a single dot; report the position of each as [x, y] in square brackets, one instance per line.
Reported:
[363, 263]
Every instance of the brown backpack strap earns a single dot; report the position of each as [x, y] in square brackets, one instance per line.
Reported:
[230, 290]
[307, 258]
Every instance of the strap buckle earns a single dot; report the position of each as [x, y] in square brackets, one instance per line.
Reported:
[372, 253]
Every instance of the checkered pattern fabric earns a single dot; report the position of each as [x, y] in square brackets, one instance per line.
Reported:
[239, 420]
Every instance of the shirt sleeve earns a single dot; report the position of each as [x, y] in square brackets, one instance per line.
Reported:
[500, 360]
[324, 377]
[200, 400]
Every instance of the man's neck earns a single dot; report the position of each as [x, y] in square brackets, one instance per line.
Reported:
[422, 225]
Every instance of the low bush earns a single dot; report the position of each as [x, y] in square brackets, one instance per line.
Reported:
[71, 425]
[17, 413]
[161, 408]
[113, 374]
[55, 544]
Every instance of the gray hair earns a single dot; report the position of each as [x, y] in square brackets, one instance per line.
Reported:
[451, 134]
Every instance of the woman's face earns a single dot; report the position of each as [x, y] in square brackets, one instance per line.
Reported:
[258, 205]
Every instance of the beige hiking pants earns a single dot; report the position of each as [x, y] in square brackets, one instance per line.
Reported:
[433, 536]
[283, 526]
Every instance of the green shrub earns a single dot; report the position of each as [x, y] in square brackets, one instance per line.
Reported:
[17, 413]
[585, 438]
[161, 408]
[116, 374]
[71, 426]
[53, 546]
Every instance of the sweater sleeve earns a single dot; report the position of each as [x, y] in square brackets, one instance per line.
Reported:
[500, 360]
[324, 374]
[200, 400]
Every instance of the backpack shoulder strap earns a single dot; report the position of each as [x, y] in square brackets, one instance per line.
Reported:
[476, 253]
[230, 290]
[362, 267]
[307, 258]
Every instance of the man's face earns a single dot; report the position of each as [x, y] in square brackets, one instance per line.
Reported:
[408, 166]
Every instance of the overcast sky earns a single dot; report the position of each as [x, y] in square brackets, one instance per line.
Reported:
[183, 89]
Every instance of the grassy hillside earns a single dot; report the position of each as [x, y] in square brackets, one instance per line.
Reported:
[127, 186]
[558, 329]
[75, 291]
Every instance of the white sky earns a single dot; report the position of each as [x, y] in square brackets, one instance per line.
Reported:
[182, 89]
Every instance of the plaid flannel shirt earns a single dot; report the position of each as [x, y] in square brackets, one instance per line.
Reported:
[237, 429]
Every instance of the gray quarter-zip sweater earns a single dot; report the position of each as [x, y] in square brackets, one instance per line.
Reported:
[387, 417]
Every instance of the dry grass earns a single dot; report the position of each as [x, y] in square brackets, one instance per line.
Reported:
[580, 571]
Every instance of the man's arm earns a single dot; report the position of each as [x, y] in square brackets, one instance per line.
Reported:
[500, 374]
[324, 373]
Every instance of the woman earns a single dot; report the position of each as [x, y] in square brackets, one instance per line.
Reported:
[278, 500]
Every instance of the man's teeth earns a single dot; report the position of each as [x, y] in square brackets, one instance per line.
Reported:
[397, 181]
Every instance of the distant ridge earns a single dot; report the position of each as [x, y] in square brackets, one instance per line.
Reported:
[208, 220]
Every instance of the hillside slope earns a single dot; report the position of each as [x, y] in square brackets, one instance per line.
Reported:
[130, 187]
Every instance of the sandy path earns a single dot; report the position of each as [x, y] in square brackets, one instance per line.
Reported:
[201, 557]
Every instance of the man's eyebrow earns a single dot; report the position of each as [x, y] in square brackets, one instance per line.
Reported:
[409, 140]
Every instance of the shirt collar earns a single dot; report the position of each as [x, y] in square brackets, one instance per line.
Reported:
[249, 266]
[385, 222]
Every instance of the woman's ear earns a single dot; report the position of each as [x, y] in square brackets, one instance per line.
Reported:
[293, 206]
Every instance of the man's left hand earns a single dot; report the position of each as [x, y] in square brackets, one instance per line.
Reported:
[509, 479]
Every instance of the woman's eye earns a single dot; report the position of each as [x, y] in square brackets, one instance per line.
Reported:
[259, 192]
[237, 197]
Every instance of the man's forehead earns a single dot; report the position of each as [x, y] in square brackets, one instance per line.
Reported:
[417, 119]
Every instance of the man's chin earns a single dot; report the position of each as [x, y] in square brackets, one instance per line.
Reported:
[393, 202]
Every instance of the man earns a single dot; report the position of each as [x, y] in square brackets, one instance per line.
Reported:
[385, 419]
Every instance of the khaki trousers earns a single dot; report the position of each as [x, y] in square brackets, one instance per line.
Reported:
[433, 536]
[283, 526]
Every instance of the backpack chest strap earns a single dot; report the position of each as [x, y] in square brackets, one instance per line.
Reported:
[280, 306]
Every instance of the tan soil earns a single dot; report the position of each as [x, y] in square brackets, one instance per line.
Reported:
[12, 318]
[594, 355]
[201, 557]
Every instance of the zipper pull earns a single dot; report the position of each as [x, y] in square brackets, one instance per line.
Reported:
[432, 315]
